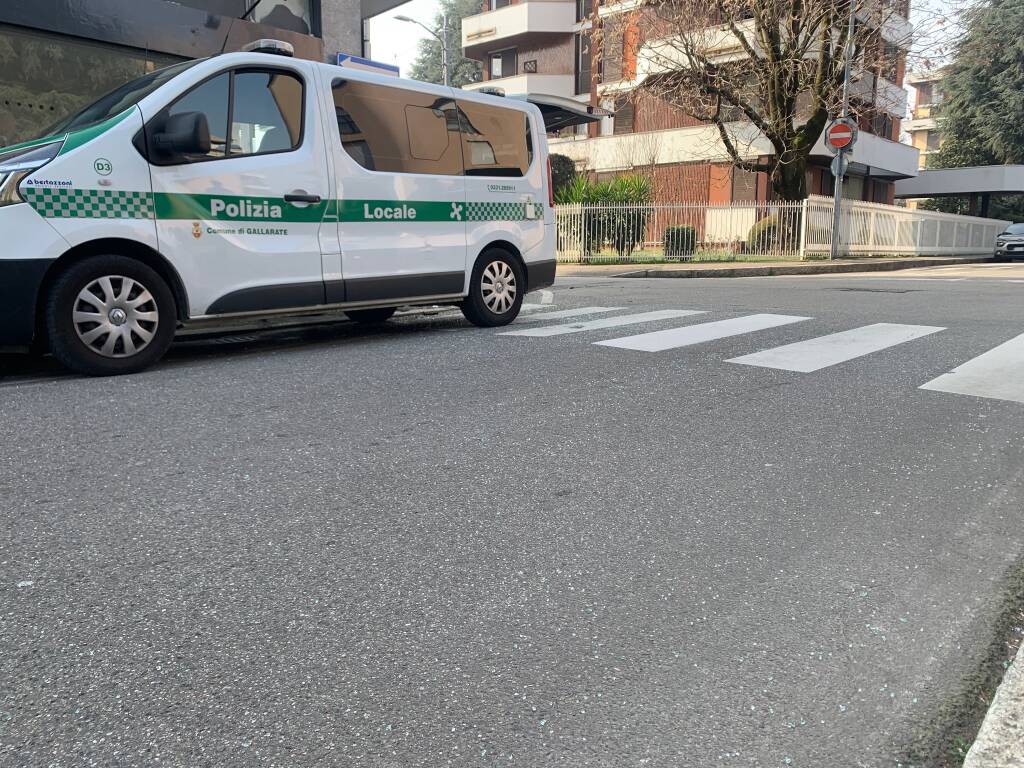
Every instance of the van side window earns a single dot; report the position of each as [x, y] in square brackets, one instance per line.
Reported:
[267, 113]
[395, 130]
[211, 98]
[496, 141]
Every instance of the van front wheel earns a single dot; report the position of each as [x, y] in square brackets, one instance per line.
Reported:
[495, 290]
[110, 315]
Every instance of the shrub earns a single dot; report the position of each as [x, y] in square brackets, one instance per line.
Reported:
[622, 229]
[764, 234]
[680, 242]
[563, 172]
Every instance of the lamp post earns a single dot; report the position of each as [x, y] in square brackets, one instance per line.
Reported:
[442, 38]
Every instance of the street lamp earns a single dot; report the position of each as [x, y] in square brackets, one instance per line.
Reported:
[442, 37]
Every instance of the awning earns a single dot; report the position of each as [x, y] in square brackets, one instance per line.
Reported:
[961, 182]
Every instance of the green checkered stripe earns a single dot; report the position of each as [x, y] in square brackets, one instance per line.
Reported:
[90, 203]
[495, 211]
[112, 204]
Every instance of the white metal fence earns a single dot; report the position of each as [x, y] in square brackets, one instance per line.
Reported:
[762, 231]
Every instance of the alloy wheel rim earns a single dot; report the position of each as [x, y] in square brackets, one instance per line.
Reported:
[115, 316]
[498, 286]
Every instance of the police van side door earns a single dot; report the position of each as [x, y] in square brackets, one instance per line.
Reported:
[241, 222]
[400, 190]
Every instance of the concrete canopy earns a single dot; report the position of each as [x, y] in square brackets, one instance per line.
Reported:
[963, 182]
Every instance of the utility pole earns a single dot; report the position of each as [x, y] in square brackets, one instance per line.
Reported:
[837, 214]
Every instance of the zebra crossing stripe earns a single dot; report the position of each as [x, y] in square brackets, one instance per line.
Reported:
[658, 341]
[603, 322]
[997, 374]
[825, 351]
[564, 314]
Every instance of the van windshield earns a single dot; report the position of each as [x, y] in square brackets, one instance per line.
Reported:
[119, 99]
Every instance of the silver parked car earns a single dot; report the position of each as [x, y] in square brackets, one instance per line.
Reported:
[1010, 243]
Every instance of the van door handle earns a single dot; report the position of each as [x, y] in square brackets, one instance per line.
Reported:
[301, 197]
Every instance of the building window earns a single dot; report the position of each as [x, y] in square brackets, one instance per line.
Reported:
[496, 4]
[882, 125]
[43, 78]
[584, 8]
[584, 61]
[503, 63]
[624, 117]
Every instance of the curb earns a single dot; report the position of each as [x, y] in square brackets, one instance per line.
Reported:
[804, 268]
[1000, 742]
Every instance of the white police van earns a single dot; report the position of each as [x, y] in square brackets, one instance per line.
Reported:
[250, 184]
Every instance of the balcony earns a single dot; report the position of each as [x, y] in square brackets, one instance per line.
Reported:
[553, 85]
[516, 25]
[883, 94]
[891, 21]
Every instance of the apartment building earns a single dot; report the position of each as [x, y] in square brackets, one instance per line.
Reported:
[546, 46]
[923, 126]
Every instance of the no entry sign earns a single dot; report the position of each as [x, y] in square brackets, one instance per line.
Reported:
[840, 135]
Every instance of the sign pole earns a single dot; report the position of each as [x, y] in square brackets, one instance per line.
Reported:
[837, 213]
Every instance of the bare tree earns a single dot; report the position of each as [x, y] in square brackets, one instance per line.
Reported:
[766, 74]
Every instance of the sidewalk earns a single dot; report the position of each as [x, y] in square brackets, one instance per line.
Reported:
[1000, 743]
[763, 269]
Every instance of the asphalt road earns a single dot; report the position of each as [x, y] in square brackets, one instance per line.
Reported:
[430, 544]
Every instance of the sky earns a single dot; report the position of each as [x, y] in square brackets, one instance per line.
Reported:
[395, 42]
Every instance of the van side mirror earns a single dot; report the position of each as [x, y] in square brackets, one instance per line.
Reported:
[182, 135]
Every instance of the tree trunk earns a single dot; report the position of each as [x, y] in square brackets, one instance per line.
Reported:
[789, 179]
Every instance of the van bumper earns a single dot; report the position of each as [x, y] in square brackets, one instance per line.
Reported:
[540, 274]
[20, 281]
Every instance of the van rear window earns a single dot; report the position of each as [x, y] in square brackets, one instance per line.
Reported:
[497, 141]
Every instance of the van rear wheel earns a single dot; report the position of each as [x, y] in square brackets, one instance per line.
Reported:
[110, 315]
[370, 316]
[495, 289]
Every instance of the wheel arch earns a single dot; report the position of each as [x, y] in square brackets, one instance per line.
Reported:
[503, 245]
[121, 247]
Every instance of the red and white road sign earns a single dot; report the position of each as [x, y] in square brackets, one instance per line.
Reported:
[840, 135]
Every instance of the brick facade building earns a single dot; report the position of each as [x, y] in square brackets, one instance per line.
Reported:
[547, 46]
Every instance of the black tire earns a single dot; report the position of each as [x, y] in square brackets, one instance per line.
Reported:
[371, 316]
[129, 282]
[489, 309]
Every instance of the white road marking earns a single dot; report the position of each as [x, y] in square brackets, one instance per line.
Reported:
[825, 351]
[603, 322]
[698, 334]
[547, 297]
[565, 314]
[997, 374]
